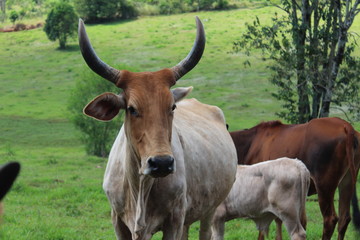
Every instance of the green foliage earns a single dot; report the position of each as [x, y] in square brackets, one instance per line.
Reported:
[61, 23]
[22, 13]
[97, 136]
[311, 57]
[104, 10]
[13, 16]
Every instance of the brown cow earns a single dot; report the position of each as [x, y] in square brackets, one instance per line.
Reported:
[173, 161]
[8, 174]
[328, 147]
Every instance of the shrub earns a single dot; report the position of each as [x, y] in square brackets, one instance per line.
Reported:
[13, 16]
[97, 136]
[104, 10]
[61, 23]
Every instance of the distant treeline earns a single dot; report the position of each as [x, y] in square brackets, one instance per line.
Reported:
[104, 10]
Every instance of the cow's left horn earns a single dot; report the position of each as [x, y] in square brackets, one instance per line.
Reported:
[92, 60]
[195, 54]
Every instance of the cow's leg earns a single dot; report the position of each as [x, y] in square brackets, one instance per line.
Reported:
[326, 202]
[294, 228]
[174, 224]
[218, 229]
[346, 190]
[205, 226]
[218, 223]
[278, 228]
[303, 218]
[185, 234]
[261, 235]
[121, 230]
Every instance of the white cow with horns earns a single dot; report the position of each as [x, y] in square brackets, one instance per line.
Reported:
[173, 161]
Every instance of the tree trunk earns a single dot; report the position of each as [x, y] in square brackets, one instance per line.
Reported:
[300, 37]
[3, 6]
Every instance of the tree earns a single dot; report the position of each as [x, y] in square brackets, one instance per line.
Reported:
[312, 51]
[3, 6]
[97, 136]
[61, 23]
[104, 10]
[13, 16]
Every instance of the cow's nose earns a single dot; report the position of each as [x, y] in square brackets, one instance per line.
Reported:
[160, 166]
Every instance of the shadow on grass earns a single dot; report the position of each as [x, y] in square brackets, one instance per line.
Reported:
[111, 22]
[69, 48]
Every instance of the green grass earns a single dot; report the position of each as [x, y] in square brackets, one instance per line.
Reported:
[58, 194]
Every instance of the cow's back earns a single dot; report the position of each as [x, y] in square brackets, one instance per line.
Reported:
[317, 139]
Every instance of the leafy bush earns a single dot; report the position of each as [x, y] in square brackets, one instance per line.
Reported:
[103, 10]
[13, 16]
[61, 23]
[97, 136]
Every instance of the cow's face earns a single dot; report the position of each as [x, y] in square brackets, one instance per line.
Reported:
[149, 104]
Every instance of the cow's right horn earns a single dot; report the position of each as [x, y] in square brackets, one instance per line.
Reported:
[92, 60]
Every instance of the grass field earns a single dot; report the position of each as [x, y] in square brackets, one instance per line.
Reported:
[58, 194]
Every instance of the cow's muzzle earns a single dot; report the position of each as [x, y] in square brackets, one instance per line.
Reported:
[160, 166]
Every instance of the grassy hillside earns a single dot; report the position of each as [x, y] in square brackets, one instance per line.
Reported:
[58, 194]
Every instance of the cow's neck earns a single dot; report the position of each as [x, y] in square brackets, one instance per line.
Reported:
[139, 190]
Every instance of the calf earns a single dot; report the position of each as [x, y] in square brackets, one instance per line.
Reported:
[264, 191]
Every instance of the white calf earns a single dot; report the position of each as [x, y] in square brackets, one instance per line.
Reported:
[264, 191]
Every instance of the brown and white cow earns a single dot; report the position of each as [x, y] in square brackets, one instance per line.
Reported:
[8, 174]
[173, 161]
[264, 191]
[329, 147]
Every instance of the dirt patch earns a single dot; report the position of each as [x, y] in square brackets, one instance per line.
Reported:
[20, 27]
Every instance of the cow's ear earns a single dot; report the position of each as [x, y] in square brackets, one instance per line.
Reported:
[105, 106]
[181, 92]
[8, 174]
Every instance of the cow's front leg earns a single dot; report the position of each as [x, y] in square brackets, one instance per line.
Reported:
[121, 230]
[205, 226]
[173, 225]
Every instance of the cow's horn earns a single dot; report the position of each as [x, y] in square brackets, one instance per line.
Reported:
[92, 60]
[194, 55]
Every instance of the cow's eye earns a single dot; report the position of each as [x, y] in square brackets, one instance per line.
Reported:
[133, 111]
[173, 107]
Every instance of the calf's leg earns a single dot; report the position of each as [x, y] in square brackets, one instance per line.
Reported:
[278, 228]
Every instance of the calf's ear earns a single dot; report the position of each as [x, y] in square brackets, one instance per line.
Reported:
[105, 106]
[181, 92]
[8, 174]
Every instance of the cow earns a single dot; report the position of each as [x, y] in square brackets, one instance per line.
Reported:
[173, 162]
[8, 174]
[264, 191]
[329, 147]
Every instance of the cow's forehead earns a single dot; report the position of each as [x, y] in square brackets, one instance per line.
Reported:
[147, 87]
[149, 80]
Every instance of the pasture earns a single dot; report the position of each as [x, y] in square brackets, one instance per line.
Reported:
[58, 194]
